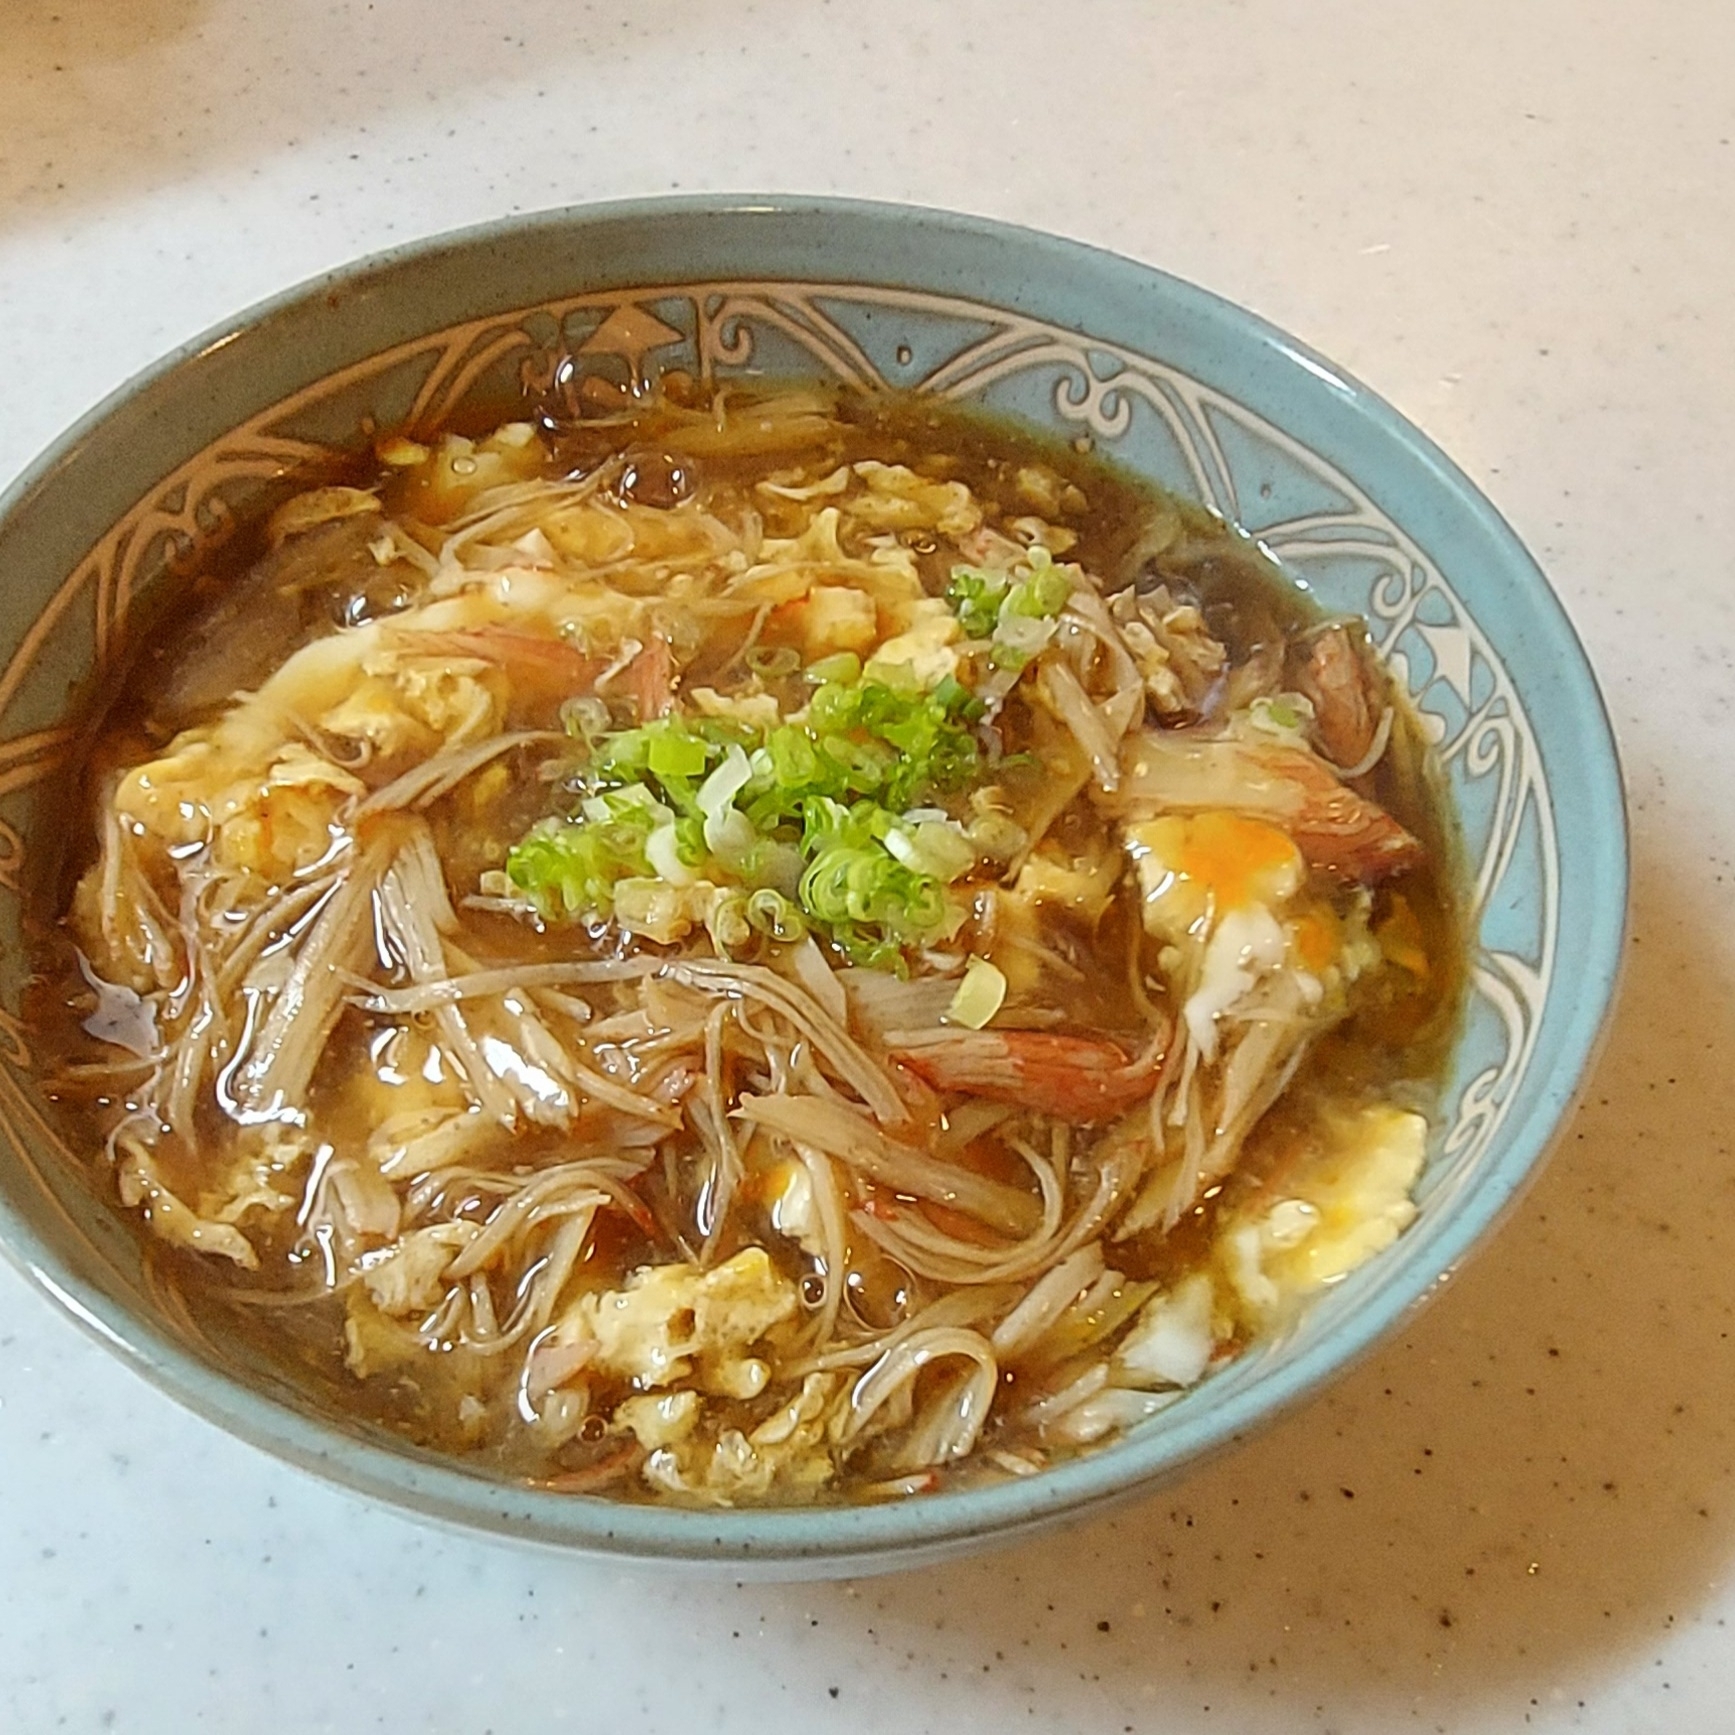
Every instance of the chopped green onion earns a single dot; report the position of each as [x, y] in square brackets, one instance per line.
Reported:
[571, 869]
[1023, 634]
[956, 700]
[672, 755]
[979, 995]
[690, 841]
[975, 594]
[772, 662]
[664, 855]
[729, 835]
[727, 923]
[843, 667]
[1013, 610]
[1041, 594]
[725, 783]
[1284, 715]
[996, 835]
[805, 813]
[773, 915]
[943, 850]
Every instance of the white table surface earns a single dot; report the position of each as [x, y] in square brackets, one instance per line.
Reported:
[1516, 218]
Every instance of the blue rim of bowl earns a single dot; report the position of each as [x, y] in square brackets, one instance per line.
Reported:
[409, 1479]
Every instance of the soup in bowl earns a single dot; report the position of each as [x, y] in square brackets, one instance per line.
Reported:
[742, 915]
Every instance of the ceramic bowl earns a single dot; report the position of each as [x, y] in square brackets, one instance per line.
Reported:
[1165, 378]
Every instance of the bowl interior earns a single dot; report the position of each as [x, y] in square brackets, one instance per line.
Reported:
[1167, 380]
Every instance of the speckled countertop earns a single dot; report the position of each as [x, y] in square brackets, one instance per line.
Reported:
[1515, 220]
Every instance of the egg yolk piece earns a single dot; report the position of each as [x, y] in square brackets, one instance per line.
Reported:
[1196, 868]
[1215, 884]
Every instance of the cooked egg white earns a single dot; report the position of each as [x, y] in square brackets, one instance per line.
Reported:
[672, 1321]
[1348, 1203]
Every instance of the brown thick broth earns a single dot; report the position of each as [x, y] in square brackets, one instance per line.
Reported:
[1392, 1045]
